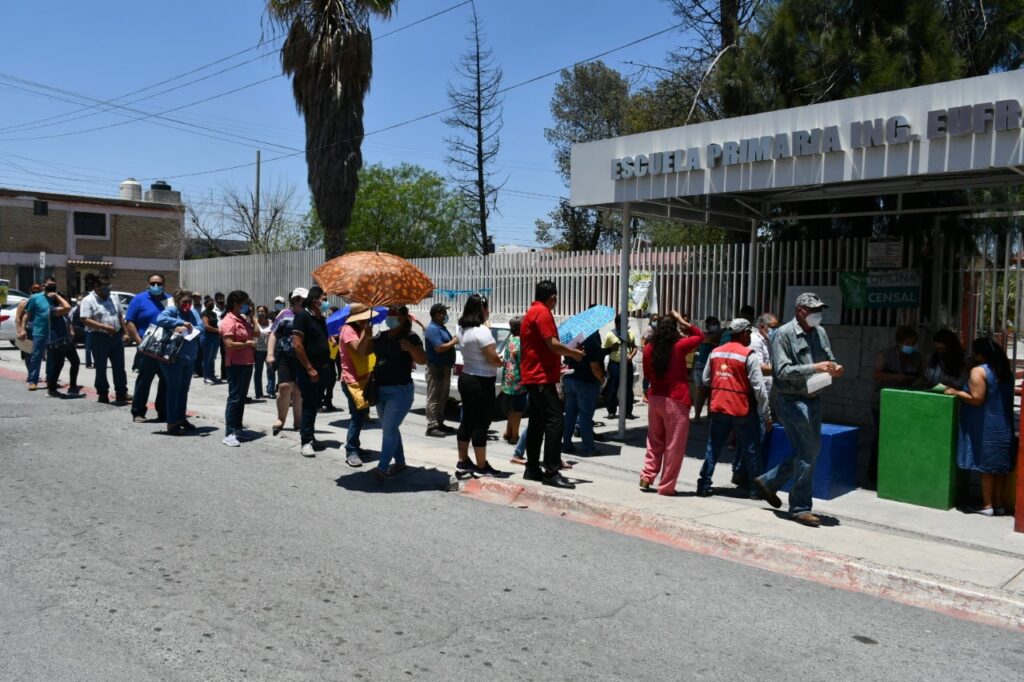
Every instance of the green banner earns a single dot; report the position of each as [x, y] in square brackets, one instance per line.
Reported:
[879, 289]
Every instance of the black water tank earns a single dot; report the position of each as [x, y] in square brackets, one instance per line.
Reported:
[160, 184]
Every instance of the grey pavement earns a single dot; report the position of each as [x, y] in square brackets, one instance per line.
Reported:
[132, 555]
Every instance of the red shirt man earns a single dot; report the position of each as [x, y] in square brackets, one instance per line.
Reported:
[540, 367]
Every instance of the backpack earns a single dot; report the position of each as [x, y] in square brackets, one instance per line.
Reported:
[283, 338]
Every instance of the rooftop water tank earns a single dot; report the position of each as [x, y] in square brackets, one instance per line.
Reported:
[131, 190]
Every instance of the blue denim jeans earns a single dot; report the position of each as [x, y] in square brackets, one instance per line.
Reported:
[312, 397]
[748, 445]
[107, 348]
[801, 417]
[209, 343]
[239, 377]
[580, 403]
[393, 403]
[148, 368]
[271, 380]
[356, 420]
[35, 361]
[178, 377]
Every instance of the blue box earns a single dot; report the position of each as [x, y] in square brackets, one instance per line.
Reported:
[835, 472]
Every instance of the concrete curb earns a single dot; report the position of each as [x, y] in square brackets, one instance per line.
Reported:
[960, 600]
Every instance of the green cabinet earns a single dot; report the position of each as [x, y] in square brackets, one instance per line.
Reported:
[917, 448]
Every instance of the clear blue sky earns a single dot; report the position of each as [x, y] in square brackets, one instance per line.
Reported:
[106, 49]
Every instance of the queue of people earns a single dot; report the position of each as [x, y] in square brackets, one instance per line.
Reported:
[750, 372]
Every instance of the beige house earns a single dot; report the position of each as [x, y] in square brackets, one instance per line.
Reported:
[71, 236]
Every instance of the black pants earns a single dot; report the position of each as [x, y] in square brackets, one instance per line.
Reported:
[477, 408]
[55, 357]
[545, 411]
[312, 397]
[147, 369]
[332, 380]
[257, 373]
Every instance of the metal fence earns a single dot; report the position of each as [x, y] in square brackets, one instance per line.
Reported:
[970, 286]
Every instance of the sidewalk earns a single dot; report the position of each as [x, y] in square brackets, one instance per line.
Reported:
[968, 565]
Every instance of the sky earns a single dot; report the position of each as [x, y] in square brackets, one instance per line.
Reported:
[68, 122]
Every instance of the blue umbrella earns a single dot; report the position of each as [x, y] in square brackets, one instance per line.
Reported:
[336, 321]
[585, 323]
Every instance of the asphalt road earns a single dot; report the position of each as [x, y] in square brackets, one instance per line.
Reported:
[125, 554]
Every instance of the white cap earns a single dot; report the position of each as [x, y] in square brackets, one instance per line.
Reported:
[300, 292]
[280, 299]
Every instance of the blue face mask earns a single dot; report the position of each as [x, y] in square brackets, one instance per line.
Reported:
[772, 333]
[908, 349]
[279, 306]
[446, 318]
[391, 322]
[156, 289]
[325, 307]
[245, 308]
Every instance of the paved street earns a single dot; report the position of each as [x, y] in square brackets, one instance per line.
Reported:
[132, 555]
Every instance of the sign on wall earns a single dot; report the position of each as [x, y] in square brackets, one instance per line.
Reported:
[885, 253]
[879, 289]
[832, 296]
[642, 296]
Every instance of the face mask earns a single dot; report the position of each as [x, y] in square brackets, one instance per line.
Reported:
[279, 306]
[654, 324]
[325, 307]
[104, 291]
[813, 320]
[186, 307]
[391, 322]
[908, 349]
[156, 289]
[713, 327]
[446, 318]
[772, 332]
[245, 309]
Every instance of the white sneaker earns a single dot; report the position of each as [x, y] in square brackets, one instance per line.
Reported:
[307, 450]
[232, 442]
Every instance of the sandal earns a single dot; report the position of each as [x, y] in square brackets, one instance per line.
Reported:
[645, 483]
[518, 460]
[276, 428]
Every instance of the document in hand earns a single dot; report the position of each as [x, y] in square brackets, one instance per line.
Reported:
[819, 381]
[192, 334]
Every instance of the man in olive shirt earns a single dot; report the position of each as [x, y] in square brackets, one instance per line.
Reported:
[800, 349]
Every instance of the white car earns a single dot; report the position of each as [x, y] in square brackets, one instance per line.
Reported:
[501, 333]
[8, 325]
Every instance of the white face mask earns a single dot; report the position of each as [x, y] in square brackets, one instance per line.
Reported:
[813, 320]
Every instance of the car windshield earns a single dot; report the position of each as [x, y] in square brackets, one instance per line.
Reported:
[501, 337]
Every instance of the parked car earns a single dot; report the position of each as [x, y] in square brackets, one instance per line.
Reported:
[8, 325]
[501, 333]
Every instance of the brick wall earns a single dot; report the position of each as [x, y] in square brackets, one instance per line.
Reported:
[134, 281]
[143, 237]
[20, 230]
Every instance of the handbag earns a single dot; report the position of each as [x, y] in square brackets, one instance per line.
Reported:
[371, 391]
[161, 344]
[59, 343]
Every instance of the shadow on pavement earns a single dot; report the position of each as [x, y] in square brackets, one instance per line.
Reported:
[412, 480]
[826, 521]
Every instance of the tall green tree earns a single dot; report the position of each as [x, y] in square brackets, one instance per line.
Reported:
[328, 52]
[589, 103]
[406, 210]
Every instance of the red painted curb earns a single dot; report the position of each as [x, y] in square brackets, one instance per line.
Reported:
[835, 570]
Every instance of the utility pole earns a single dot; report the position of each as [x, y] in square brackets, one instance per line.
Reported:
[256, 208]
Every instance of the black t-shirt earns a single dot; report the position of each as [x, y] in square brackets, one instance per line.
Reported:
[394, 365]
[314, 337]
[582, 370]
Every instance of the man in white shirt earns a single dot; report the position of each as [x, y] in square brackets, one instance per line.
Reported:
[104, 321]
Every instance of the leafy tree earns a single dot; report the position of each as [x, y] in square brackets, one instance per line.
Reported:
[408, 211]
[477, 115]
[328, 52]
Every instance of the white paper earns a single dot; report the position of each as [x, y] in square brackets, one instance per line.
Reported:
[819, 381]
[192, 334]
[575, 343]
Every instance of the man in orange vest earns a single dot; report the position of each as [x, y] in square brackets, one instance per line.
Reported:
[739, 400]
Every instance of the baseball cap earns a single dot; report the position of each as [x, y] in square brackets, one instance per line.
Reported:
[438, 308]
[299, 292]
[358, 312]
[280, 299]
[739, 325]
[810, 300]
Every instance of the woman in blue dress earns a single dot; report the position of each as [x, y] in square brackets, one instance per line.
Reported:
[986, 423]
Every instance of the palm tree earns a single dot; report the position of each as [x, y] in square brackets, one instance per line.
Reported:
[328, 53]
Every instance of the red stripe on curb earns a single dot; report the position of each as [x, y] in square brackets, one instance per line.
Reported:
[835, 570]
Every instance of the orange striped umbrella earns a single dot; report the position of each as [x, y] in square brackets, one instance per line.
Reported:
[374, 279]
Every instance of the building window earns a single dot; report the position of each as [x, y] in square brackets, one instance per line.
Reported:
[40, 208]
[90, 224]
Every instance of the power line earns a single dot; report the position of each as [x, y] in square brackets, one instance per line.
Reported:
[433, 113]
[29, 125]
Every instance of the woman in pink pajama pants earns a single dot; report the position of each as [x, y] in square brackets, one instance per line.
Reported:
[668, 412]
